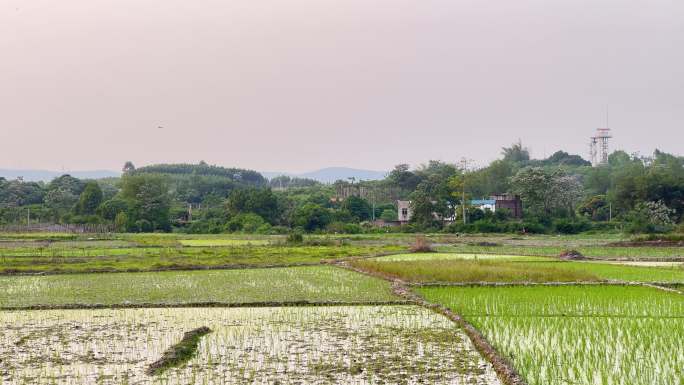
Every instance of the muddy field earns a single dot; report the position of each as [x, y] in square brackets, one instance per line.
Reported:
[306, 345]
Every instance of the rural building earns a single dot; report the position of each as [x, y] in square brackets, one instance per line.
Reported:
[404, 211]
[496, 202]
[510, 202]
[484, 204]
[500, 201]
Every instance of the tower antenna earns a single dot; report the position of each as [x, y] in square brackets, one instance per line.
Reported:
[598, 147]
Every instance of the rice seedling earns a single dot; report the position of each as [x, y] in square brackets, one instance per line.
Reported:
[304, 345]
[274, 285]
[600, 335]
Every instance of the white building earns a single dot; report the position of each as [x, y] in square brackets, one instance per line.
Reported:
[404, 211]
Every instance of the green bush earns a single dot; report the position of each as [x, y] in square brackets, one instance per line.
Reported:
[295, 237]
[248, 223]
[569, 226]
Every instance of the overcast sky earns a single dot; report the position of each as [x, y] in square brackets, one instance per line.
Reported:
[298, 85]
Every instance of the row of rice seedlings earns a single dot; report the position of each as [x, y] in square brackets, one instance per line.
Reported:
[317, 345]
[310, 283]
[600, 335]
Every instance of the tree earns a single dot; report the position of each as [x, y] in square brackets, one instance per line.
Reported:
[422, 208]
[651, 217]
[560, 158]
[110, 209]
[17, 193]
[544, 191]
[148, 199]
[60, 199]
[312, 217]
[89, 200]
[595, 208]
[260, 201]
[388, 215]
[121, 222]
[402, 177]
[128, 167]
[493, 179]
[566, 191]
[516, 153]
[358, 207]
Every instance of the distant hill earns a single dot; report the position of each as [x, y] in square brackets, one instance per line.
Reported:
[47, 175]
[332, 174]
[188, 169]
[324, 175]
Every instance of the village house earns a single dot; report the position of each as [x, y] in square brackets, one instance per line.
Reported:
[495, 202]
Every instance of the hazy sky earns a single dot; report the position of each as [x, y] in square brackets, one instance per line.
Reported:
[301, 84]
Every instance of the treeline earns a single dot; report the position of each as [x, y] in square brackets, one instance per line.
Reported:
[561, 193]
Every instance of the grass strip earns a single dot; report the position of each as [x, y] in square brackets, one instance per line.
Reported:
[180, 353]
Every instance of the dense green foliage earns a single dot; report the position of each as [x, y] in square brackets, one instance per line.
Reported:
[560, 194]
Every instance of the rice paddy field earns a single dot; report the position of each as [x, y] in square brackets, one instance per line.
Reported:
[338, 309]
[441, 267]
[317, 284]
[605, 251]
[33, 256]
[578, 334]
[287, 345]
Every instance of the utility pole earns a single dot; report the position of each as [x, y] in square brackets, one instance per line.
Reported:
[464, 170]
[28, 217]
[610, 212]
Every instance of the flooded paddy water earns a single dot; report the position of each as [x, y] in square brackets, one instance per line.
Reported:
[275, 345]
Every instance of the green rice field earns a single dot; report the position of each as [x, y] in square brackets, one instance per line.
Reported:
[593, 251]
[578, 334]
[112, 309]
[66, 259]
[273, 285]
[468, 268]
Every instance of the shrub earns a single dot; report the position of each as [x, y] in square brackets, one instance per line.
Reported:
[248, 223]
[295, 237]
[567, 226]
